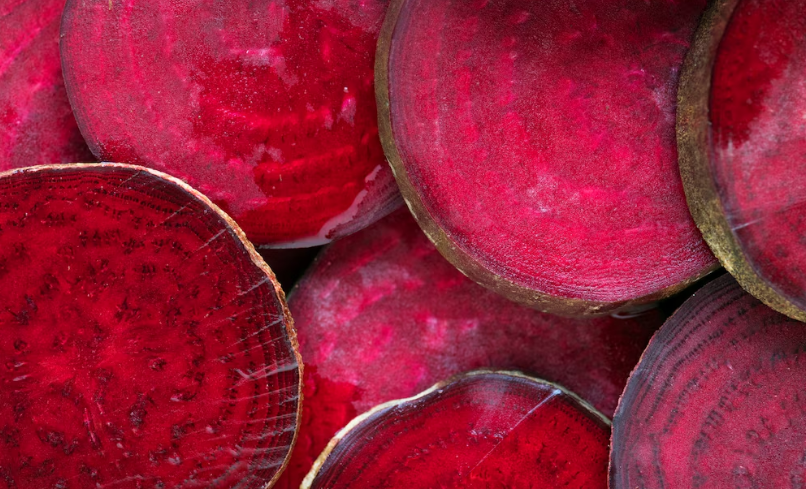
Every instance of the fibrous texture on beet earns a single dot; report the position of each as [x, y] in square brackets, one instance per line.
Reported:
[144, 342]
[535, 143]
[717, 399]
[266, 107]
[36, 123]
[742, 141]
[382, 315]
[481, 430]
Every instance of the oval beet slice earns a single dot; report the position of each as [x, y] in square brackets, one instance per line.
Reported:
[144, 342]
[535, 144]
[266, 107]
[36, 123]
[480, 430]
[717, 399]
[382, 315]
[742, 142]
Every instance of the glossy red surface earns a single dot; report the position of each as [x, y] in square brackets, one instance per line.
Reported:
[141, 345]
[540, 136]
[758, 102]
[717, 401]
[266, 107]
[36, 123]
[382, 315]
[483, 431]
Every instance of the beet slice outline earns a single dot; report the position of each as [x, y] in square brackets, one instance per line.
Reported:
[337, 455]
[266, 108]
[716, 400]
[707, 198]
[181, 210]
[464, 255]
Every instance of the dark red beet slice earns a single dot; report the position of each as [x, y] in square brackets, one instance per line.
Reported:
[381, 315]
[742, 143]
[480, 430]
[717, 400]
[535, 143]
[267, 107]
[144, 342]
[36, 123]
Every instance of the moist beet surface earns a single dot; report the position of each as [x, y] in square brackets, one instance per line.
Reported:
[535, 142]
[382, 315]
[717, 400]
[266, 107]
[480, 431]
[144, 343]
[36, 123]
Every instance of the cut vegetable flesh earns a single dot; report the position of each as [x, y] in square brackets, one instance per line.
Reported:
[717, 400]
[381, 315]
[143, 341]
[535, 142]
[36, 123]
[758, 136]
[266, 107]
[482, 430]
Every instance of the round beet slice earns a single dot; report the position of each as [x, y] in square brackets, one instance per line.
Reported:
[36, 123]
[717, 399]
[742, 139]
[266, 107]
[382, 315]
[535, 144]
[480, 430]
[144, 342]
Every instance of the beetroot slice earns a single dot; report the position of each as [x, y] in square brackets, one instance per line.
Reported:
[483, 429]
[381, 315]
[267, 107]
[36, 123]
[535, 143]
[144, 341]
[717, 399]
[742, 142]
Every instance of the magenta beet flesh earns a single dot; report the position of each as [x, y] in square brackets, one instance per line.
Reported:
[381, 315]
[487, 430]
[266, 107]
[539, 139]
[143, 343]
[717, 400]
[36, 123]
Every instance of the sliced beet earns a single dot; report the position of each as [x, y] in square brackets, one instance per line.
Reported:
[36, 123]
[717, 400]
[144, 342]
[742, 141]
[481, 430]
[267, 107]
[535, 144]
[381, 315]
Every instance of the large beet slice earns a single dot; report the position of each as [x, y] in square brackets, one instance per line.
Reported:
[717, 399]
[36, 123]
[742, 140]
[535, 144]
[267, 107]
[144, 342]
[381, 315]
[481, 430]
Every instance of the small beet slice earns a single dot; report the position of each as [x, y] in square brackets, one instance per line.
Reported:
[266, 107]
[483, 429]
[144, 341]
[742, 141]
[717, 399]
[36, 123]
[381, 315]
[535, 144]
